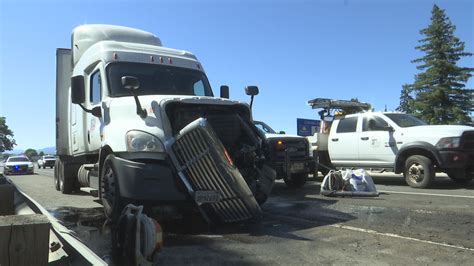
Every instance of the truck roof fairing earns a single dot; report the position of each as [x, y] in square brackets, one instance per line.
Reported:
[85, 36]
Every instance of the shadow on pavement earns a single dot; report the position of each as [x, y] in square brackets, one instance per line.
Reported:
[284, 213]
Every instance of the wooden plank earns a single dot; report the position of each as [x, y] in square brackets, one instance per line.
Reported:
[24, 239]
[6, 199]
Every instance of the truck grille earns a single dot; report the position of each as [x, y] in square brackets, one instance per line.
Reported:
[468, 140]
[201, 158]
[296, 149]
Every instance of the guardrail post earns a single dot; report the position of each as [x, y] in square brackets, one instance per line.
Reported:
[24, 240]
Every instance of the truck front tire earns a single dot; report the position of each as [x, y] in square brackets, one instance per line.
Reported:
[109, 189]
[419, 171]
[297, 180]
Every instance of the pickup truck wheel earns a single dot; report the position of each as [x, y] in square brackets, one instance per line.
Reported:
[419, 171]
[296, 181]
[109, 189]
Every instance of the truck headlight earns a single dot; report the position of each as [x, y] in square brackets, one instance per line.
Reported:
[30, 165]
[448, 143]
[141, 141]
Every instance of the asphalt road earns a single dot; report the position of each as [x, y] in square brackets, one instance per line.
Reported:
[402, 226]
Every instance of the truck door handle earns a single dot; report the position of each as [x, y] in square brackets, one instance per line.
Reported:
[336, 139]
[364, 138]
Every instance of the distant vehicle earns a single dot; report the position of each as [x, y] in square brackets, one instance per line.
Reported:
[46, 160]
[392, 141]
[18, 165]
[288, 154]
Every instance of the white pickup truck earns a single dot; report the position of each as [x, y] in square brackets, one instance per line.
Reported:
[46, 160]
[398, 142]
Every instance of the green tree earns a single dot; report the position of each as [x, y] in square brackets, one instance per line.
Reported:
[439, 93]
[6, 136]
[31, 152]
[41, 153]
[406, 100]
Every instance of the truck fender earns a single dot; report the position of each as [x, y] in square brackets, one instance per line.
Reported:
[416, 148]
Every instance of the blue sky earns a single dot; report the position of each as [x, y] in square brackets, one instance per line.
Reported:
[293, 50]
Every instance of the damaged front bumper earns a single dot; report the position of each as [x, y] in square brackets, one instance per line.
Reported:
[211, 178]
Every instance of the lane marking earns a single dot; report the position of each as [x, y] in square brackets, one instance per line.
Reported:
[426, 194]
[340, 226]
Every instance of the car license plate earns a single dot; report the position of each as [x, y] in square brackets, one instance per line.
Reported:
[297, 167]
[206, 196]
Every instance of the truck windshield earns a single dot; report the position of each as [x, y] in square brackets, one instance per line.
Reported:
[158, 79]
[264, 127]
[404, 120]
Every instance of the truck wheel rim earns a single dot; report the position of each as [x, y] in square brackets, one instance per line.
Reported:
[416, 172]
[109, 188]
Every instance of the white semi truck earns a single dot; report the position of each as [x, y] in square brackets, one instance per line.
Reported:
[139, 123]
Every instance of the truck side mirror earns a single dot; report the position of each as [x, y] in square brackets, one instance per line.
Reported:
[251, 90]
[130, 82]
[78, 93]
[225, 91]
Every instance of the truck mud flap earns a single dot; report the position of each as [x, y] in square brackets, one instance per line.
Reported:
[210, 176]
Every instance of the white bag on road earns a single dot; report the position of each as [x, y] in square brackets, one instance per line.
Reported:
[359, 180]
[348, 183]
